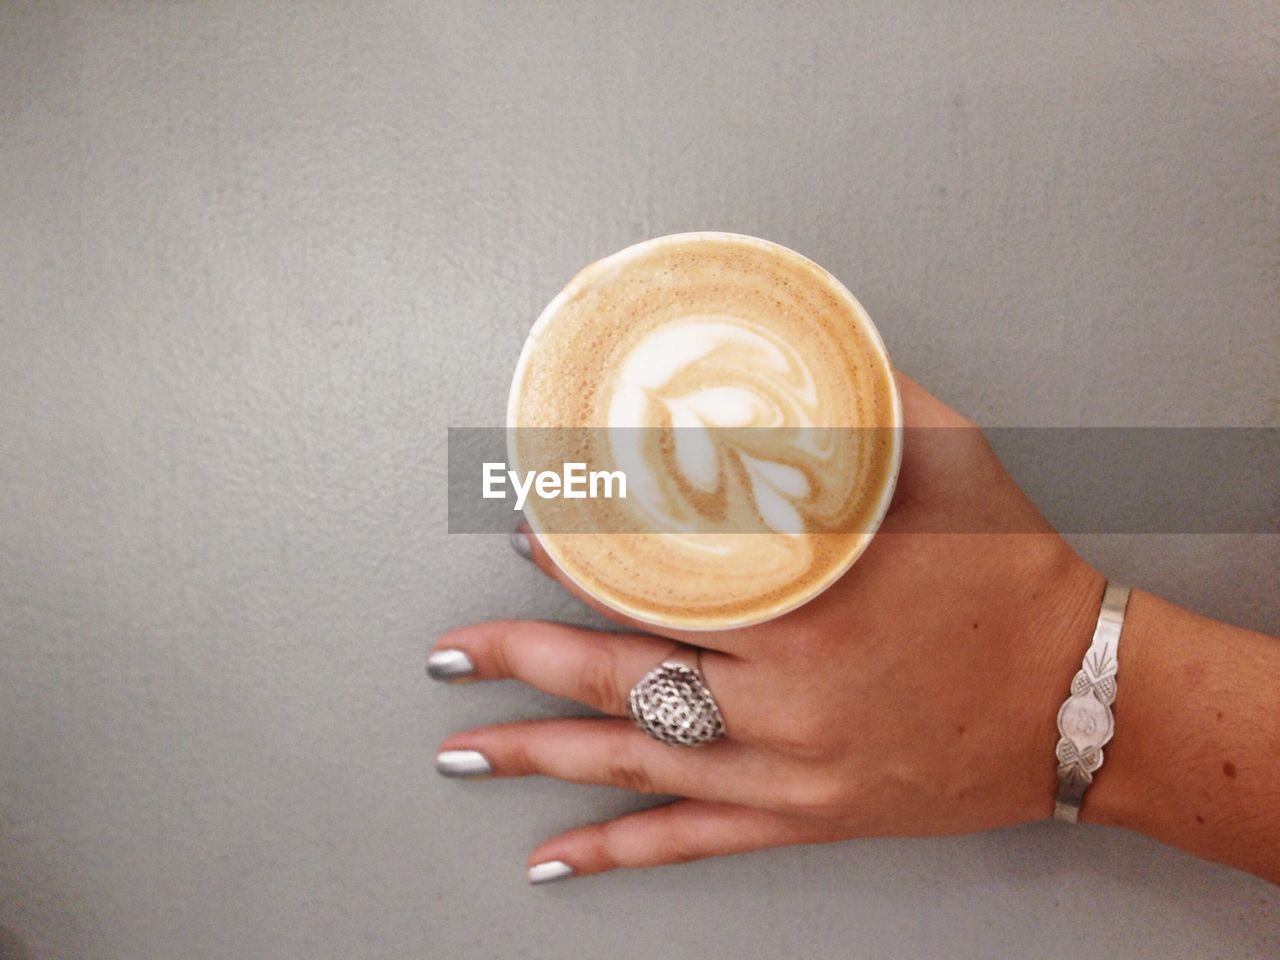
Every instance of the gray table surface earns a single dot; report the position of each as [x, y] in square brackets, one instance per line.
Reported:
[256, 258]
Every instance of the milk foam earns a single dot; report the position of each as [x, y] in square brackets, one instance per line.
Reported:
[721, 374]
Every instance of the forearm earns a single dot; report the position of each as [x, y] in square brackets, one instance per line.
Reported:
[1195, 760]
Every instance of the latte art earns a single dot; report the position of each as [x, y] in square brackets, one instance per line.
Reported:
[711, 379]
[748, 400]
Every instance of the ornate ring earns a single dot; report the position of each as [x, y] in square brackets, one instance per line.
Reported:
[671, 703]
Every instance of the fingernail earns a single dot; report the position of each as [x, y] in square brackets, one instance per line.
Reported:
[462, 763]
[520, 543]
[449, 665]
[549, 871]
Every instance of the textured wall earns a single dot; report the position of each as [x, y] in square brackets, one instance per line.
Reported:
[256, 257]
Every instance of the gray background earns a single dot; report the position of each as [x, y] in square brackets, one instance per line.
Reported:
[256, 257]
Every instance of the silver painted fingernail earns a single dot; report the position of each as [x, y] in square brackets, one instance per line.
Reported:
[549, 871]
[449, 665]
[462, 763]
[520, 544]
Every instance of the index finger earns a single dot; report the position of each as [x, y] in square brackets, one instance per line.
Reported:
[525, 542]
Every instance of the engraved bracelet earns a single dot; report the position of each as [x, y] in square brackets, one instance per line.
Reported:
[1085, 722]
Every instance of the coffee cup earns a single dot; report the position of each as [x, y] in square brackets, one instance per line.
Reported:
[744, 401]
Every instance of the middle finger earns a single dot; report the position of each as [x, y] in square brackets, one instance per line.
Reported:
[590, 666]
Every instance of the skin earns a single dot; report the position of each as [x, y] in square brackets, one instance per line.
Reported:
[917, 696]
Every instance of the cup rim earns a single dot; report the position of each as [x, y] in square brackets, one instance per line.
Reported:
[635, 250]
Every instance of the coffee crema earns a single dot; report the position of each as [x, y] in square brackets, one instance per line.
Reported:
[748, 399]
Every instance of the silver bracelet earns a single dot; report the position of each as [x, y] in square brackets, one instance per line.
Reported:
[1085, 721]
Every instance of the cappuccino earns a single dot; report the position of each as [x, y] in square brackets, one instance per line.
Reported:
[748, 400]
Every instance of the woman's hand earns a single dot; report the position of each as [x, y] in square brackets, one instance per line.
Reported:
[916, 696]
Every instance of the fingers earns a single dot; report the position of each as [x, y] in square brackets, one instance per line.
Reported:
[594, 668]
[526, 543]
[945, 458]
[609, 752]
[673, 833]
[920, 408]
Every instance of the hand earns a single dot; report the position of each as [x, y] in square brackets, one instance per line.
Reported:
[916, 696]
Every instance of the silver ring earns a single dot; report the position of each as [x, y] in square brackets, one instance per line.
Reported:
[671, 703]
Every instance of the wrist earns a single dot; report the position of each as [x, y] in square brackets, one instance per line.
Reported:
[1055, 645]
[1198, 741]
[1119, 793]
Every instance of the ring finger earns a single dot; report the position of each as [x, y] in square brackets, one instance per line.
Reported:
[613, 752]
